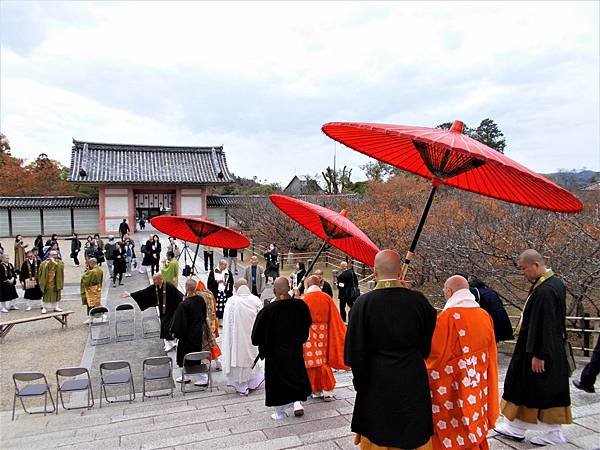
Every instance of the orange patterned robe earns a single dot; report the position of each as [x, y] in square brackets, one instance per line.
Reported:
[463, 378]
[324, 349]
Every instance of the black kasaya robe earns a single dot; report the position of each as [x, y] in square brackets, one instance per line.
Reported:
[8, 291]
[541, 336]
[153, 296]
[31, 270]
[389, 337]
[189, 325]
[279, 331]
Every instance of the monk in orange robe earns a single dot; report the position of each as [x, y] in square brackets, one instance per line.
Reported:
[463, 371]
[324, 349]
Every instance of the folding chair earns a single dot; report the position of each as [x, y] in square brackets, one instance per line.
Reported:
[157, 368]
[99, 325]
[32, 390]
[192, 365]
[74, 385]
[148, 318]
[125, 315]
[116, 379]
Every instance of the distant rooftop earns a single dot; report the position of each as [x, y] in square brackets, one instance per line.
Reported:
[94, 162]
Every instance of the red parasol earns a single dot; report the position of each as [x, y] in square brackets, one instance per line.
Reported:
[449, 157]
[333, 228]
[200, 231]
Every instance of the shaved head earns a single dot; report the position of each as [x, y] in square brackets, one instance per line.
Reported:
[531, 256]
[190, 287]
[388, 264]
[157, 279]
[240, 282]
[456, 283]
[532, 264]
[281, 286]
[92, 262]
[313, 280]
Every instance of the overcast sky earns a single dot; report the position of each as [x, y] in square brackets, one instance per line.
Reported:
[261, 78]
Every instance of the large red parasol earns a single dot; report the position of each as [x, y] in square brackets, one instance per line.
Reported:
[200, 231]
[333, 228]
[449, 157]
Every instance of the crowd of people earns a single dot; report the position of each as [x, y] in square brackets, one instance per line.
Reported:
[422, 379]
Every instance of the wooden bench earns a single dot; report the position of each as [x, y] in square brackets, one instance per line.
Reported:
[6, 325]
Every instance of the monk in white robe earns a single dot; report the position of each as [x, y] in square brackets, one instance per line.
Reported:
[238, 353]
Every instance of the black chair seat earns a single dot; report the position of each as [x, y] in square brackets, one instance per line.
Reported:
[158, 373]
[117, 378]
[74, 385]
[33, 389]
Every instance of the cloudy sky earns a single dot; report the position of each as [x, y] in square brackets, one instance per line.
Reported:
[261, 78]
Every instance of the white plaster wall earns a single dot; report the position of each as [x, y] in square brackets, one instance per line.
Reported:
[113, 191]
[191, 206]
[117, 206]
[112, 225]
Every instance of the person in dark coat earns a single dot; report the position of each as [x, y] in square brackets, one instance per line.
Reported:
[123, 228]
[164, 295]
[29, 280]
[8, 280]
[279, 331]
[75, 249]
[490, 301]
[119, 263]
[152, 254]
[191, 328]
[389, 336]
[590, 372]
[345, 281]
[536, 387]
[271, 263]
[39, 244]
[220, 283]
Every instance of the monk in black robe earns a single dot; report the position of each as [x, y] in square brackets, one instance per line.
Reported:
[191, 328]
[389, 337]
[167, 298]
[279, 331]
[536, 388]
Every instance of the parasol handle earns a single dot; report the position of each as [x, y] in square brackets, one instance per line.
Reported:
[411, 252]
[194, 262]
[314, 261]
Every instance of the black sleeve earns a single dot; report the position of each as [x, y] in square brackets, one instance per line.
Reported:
[429, 321]
[356, 347]
[544, 323]
[179, 322]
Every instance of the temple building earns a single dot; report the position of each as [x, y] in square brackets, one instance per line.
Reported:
[136, 181]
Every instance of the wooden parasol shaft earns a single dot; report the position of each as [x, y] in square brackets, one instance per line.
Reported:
[411, 252]
[314, 261]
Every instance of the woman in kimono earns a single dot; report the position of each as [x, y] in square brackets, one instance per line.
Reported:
[29, 280]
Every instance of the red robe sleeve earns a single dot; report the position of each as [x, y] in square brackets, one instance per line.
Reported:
[337, 336]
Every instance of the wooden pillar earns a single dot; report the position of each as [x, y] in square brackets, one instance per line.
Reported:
[42, 221]
[176, 208]
[101, 210]
[131, 208]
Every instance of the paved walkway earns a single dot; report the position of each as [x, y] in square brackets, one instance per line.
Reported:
[221, 418]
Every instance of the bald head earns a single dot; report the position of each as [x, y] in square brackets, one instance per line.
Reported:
[388, 265]
[240, 282]
[343, 265]
[532, 264]
[190, 287]
[157, 279]
[455, 283]
[92, 262]
[313, 280]
[281, 286]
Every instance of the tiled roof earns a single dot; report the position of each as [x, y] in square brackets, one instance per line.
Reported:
[222, 201]
[47, 202]
[93, 162]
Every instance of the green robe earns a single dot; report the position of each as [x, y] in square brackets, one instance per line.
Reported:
[171, 271]
[91, 278]
[52, 288]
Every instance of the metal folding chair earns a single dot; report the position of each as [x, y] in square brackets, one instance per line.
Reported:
[116, 379]
[125, 315]
[193, 365]
[157, 368]
[31, 390]
[74, 385]
[96, 323]
[150, 323]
